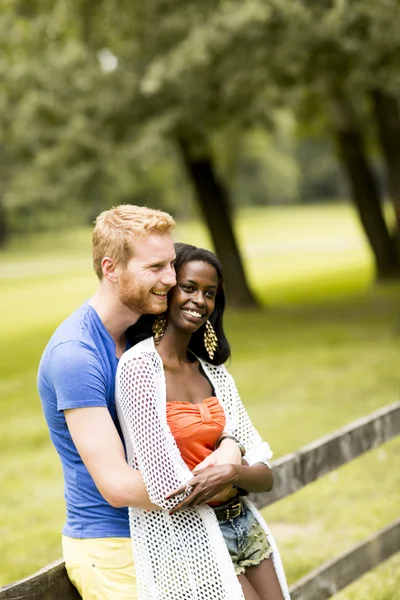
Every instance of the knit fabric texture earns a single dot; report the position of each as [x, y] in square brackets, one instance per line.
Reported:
[181, 556]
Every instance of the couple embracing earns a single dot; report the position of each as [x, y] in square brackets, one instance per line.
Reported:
[157, 449]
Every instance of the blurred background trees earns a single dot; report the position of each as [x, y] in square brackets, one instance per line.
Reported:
[200, 108]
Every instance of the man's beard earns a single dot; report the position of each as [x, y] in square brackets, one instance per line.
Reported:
[138, 298]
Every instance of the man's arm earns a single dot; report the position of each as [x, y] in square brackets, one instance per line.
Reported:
[99, 445]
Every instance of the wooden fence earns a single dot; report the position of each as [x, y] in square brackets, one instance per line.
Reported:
[291, 473]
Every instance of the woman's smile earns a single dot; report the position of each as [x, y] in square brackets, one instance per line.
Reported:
[193, 315]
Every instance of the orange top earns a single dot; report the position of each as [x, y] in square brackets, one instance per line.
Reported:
[196, 428]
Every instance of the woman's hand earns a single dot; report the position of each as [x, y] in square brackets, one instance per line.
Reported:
[206, 484]
[224, 496]
[228, 453]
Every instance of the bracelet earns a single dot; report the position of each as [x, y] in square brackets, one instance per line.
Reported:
[222, 438]
[231, 437]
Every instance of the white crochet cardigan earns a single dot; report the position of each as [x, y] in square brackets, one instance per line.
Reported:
[181, 556]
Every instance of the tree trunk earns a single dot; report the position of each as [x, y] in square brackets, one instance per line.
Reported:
[387, 113]
[213, 200]
[3, 226]
[365, 190]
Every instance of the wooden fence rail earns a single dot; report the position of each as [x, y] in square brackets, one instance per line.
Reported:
[336, 574]
[294, 471]
[291, 473]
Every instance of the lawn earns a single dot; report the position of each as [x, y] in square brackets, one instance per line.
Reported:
[324, 352]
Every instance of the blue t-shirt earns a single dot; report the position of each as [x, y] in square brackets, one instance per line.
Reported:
[78, 370]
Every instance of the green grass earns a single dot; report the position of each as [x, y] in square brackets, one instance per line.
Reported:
[324, 353]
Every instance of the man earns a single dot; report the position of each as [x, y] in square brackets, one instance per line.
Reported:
[133, 257]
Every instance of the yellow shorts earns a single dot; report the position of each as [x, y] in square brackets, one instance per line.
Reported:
[101, 568]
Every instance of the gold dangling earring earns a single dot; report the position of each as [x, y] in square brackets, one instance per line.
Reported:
[210, 340]
[158, 328]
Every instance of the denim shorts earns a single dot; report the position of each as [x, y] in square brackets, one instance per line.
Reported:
[246, 540]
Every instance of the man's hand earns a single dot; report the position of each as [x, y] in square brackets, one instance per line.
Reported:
[228, 453]
[206, 484]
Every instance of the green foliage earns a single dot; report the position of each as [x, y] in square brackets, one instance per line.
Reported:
[94, 95]
[71, 147]
[260, 166]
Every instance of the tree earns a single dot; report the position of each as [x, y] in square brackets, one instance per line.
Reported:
[204, 66]
[79, 115]
[366, 193]
[323, 47]
[213, 200]
[387, 113]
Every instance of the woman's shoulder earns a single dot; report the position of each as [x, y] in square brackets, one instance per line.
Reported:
[143, 350]
[218, 371]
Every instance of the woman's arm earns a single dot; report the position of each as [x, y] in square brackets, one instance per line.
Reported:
[139, 407]
[256, 450]
[255, 478]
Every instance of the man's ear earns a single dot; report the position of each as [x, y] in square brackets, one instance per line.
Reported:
[109, 269]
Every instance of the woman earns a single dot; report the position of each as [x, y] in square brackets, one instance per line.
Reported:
[175, 401]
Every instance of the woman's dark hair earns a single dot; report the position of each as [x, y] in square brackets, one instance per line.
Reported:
[186, 253]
